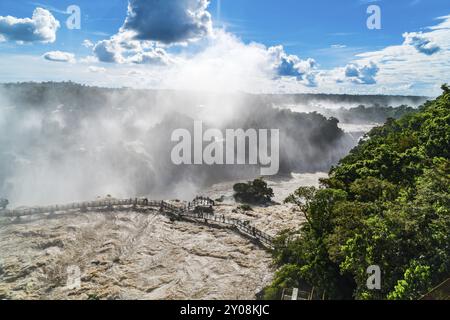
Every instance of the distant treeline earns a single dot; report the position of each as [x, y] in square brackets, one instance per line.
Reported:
[375, 114]
[41, 91]
[347, 99]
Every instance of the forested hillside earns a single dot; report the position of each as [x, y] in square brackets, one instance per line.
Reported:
[386, 204]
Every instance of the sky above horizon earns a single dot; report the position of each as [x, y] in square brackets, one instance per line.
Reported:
[287, 46]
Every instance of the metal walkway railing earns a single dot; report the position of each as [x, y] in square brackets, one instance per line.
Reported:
[193, 211]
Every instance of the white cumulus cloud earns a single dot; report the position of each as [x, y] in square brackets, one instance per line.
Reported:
[88, 43]
[59, 56]
[95, 69]
[362, 74]
[286, 65]
[168, 21]
[421, 42]
[121, 49]
[41, 27]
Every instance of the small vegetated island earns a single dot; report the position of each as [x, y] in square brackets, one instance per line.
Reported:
[254, 192]
[386, 204]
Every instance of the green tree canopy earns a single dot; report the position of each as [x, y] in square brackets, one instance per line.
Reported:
[387, 204]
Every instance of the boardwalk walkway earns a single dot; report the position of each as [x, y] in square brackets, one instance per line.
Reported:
[198, 211]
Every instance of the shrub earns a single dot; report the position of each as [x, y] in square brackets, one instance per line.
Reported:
[245, 207]
[256, 192]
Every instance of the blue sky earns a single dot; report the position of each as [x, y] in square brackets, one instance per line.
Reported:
[332, 33]
[307, 27]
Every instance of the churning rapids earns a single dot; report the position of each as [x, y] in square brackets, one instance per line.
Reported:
[127, 255]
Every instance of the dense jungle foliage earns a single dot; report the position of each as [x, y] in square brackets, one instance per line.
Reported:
[386, 204]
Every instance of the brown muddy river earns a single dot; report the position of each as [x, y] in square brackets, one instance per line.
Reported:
[128, 255]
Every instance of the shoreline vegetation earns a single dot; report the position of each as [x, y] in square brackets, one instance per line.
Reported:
[386, 204]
